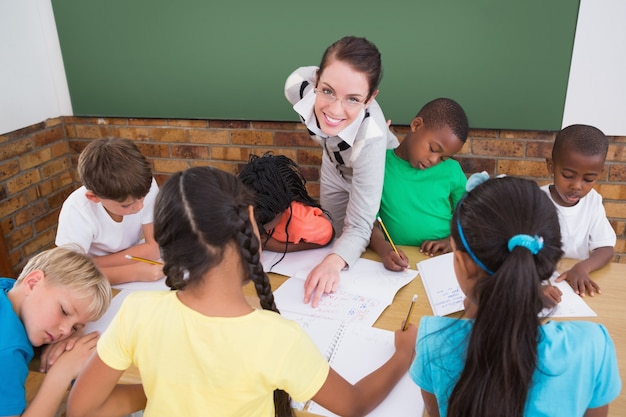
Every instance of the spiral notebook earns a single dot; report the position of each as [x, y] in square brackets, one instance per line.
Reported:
[355, 350]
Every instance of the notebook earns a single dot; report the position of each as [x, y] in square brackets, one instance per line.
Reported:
[364, 291]
[355, 350]
[445, 295]
[442, 289]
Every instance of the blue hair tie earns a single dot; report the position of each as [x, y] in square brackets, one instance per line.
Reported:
[469, 251]
[533, 243]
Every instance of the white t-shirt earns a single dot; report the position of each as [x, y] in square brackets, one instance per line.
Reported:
[88, 225]
[584, 226]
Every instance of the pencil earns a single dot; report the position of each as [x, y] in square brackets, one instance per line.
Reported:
[148, 261]
[388, 237]
[408, 316]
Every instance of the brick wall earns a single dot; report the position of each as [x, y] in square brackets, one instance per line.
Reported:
[38, 163]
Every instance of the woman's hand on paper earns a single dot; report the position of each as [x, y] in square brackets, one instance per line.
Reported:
[324, 278]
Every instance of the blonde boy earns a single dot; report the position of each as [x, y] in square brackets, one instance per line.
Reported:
[57, 293]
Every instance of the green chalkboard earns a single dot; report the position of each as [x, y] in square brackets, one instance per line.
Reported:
[507, 62]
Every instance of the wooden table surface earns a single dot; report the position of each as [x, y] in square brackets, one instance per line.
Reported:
[610, 307]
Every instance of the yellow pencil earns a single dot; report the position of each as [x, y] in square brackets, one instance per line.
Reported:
[148, 261]
[408, 316]
[388, 237]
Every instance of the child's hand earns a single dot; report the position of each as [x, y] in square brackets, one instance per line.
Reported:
[148, 272]
[405, 341]
[432, 247]
[580, 281]
[395, 261]
[552, 295]
[71, 362]
[51, 352]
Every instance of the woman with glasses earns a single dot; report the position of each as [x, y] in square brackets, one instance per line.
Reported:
[336, 103]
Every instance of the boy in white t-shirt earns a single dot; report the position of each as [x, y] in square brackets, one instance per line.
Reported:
[577, 162]
[110, 216]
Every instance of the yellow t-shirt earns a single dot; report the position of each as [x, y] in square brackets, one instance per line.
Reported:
[194, 365]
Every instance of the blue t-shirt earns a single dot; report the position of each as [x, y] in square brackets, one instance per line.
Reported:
[16, 353]
[577, 365]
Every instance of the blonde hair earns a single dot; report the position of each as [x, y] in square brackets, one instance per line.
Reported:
[67, 267]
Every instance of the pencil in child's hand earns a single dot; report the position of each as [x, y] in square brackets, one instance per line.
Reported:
[380, 221]
[408, 316]
[148, 261]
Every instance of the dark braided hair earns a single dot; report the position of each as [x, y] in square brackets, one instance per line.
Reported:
[276, 181]
[197, 213]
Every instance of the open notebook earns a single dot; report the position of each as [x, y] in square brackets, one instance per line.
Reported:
[445, 295]
[364, 291]
[355, 350]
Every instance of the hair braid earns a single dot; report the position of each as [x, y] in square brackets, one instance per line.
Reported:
[249, 246]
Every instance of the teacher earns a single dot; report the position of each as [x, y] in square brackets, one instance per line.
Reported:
[336, 103]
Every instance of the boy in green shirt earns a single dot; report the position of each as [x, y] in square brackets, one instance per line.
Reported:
[422, 184]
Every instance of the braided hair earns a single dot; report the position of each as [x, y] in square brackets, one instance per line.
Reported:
[276, 181]
[197, 213]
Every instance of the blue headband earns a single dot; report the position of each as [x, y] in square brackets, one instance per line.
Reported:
[467, 248]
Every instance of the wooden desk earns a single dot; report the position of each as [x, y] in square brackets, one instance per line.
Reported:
[610, 307]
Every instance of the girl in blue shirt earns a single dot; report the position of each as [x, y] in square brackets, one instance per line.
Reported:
[504, 362]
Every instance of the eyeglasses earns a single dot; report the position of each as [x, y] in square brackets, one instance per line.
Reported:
[329, 97]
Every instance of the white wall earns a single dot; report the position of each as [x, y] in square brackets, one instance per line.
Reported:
[33, 86]
[596, 92]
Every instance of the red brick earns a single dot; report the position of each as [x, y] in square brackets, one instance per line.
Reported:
[537, 149]
[188, 123]
[55, 167]
[48, 136]
[56, 121]
[498, 147]
[23, 181]
[483, 133]
[92, 131]
[169, 165]
[470, 165]
[229, 124]
[190, 152]
[612, 191]
[288, 139]
[35, 158]
[56, 199]
[114, 121]
[25, 131]
[229, 153]
[216, 137]
[154, 150]
[616, 153]
[8, 169]
[161, 178]
[619, 227]
[41, 242]
[278, 125]
[147, 122]
[616, 172]
[169, 135]
[310, 157]
[524, 134]
[74, 120]
[60, 149]
[313, 189]
[19, 236]
[522, 168]
[70, 131]
[132, 133]
[48, 221]
[31, 212]
[252, 137]
[310, 173]
[15, 148]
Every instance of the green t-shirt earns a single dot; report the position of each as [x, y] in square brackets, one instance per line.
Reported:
[417, 205]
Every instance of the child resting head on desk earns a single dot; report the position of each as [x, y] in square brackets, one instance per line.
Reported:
[423, 184]
[56, 294]
[506, 241]
[202, 349]
[288, 218]
[577, 162]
